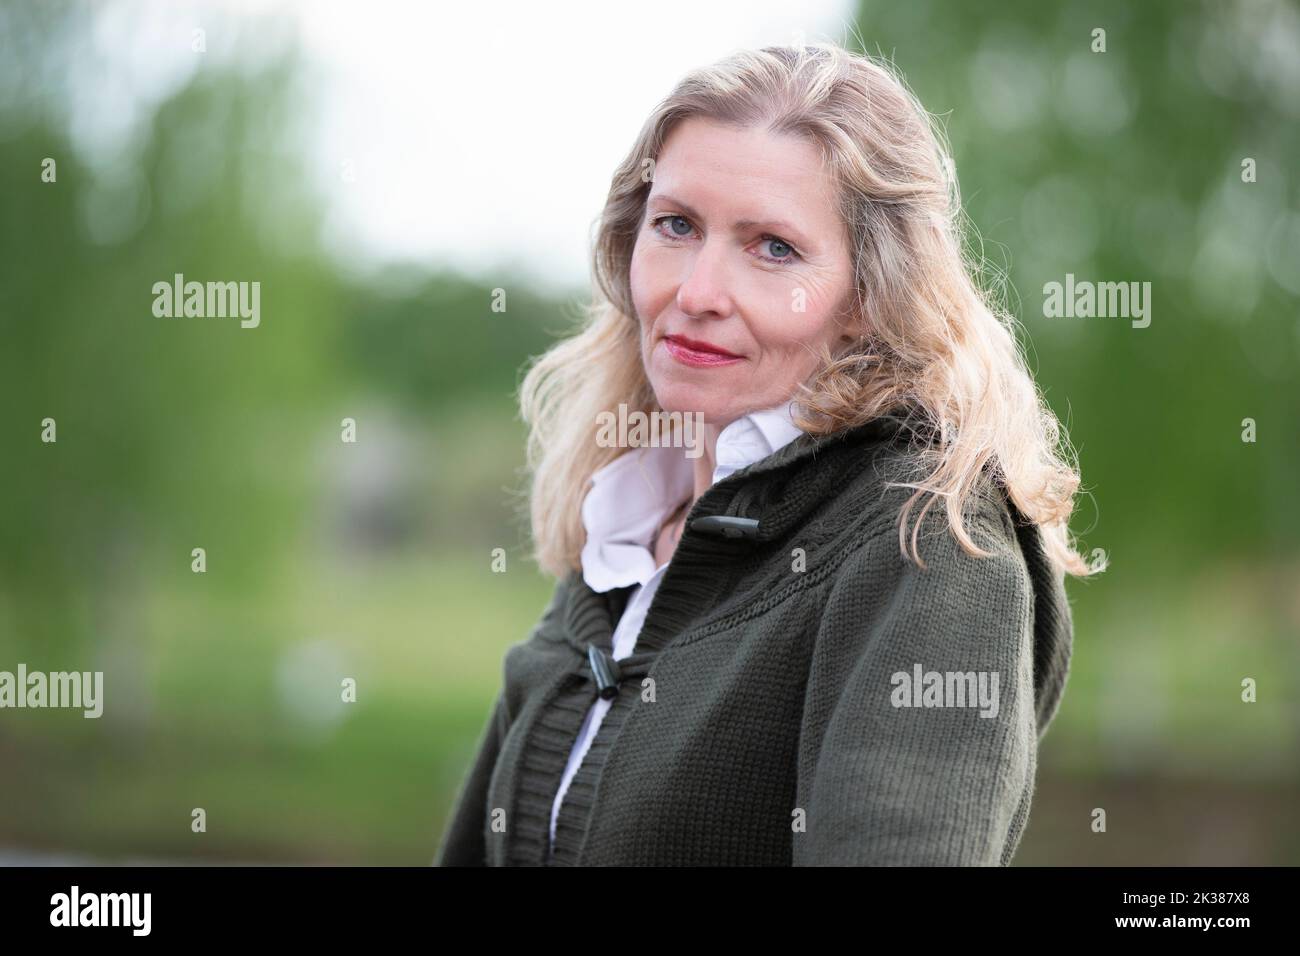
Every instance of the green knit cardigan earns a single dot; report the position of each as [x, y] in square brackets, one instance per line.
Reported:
[800, 693]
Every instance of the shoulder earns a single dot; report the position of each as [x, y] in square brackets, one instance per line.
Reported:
[882, 473]
[531, 660]
[881, 573]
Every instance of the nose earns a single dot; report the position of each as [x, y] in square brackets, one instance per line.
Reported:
[705, 291]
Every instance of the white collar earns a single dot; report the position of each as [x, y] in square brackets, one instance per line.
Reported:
[632, 495]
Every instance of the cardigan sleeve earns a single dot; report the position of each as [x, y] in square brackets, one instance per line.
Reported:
[463, 841]
[463, 838]
[882, 780]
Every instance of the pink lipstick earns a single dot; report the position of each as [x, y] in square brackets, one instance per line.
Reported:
[698, 354]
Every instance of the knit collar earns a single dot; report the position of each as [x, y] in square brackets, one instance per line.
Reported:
[779, 490]
[632, 496]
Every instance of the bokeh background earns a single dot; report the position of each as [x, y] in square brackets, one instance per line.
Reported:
[380, 170]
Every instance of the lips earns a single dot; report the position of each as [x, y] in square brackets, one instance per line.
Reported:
[698, 345]
[697, 354]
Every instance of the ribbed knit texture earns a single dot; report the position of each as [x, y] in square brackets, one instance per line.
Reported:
[773, 737]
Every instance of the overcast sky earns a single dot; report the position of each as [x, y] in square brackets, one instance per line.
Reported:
[479, 136]
[486, 132]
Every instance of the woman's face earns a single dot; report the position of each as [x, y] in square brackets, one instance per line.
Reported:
[741, 250]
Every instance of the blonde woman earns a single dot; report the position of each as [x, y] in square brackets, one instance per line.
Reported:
[828, 626]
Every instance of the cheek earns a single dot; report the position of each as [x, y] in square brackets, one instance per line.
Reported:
[642, 279]
[785, 330]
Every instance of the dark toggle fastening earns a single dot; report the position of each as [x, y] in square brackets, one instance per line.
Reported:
[727, 526]
[605, 670]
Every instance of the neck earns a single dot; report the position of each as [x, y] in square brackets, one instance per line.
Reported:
[705, 464]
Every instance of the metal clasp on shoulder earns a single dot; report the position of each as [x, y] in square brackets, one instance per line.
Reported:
[727, 526]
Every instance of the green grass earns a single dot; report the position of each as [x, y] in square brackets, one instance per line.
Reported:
[210, 726]
[233, 704]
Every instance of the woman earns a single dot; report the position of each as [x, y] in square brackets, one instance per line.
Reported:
[767, 647]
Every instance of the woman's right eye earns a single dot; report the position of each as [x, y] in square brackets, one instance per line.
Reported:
[674, 223]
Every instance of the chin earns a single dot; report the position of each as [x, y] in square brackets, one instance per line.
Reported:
[677, 396]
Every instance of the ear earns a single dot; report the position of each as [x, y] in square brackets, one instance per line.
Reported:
[852, 327]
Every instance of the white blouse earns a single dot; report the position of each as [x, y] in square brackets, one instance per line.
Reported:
[628, 501]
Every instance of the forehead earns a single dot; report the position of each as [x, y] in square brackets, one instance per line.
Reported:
[733, 169]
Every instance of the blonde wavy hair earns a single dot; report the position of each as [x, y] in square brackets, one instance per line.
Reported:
[933, 340]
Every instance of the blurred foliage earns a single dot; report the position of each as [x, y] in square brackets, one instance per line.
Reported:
[372, 560]
[1126, 166]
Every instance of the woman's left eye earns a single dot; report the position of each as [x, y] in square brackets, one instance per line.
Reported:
[782, 251]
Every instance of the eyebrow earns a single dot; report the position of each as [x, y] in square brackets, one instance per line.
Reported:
[772, 225]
